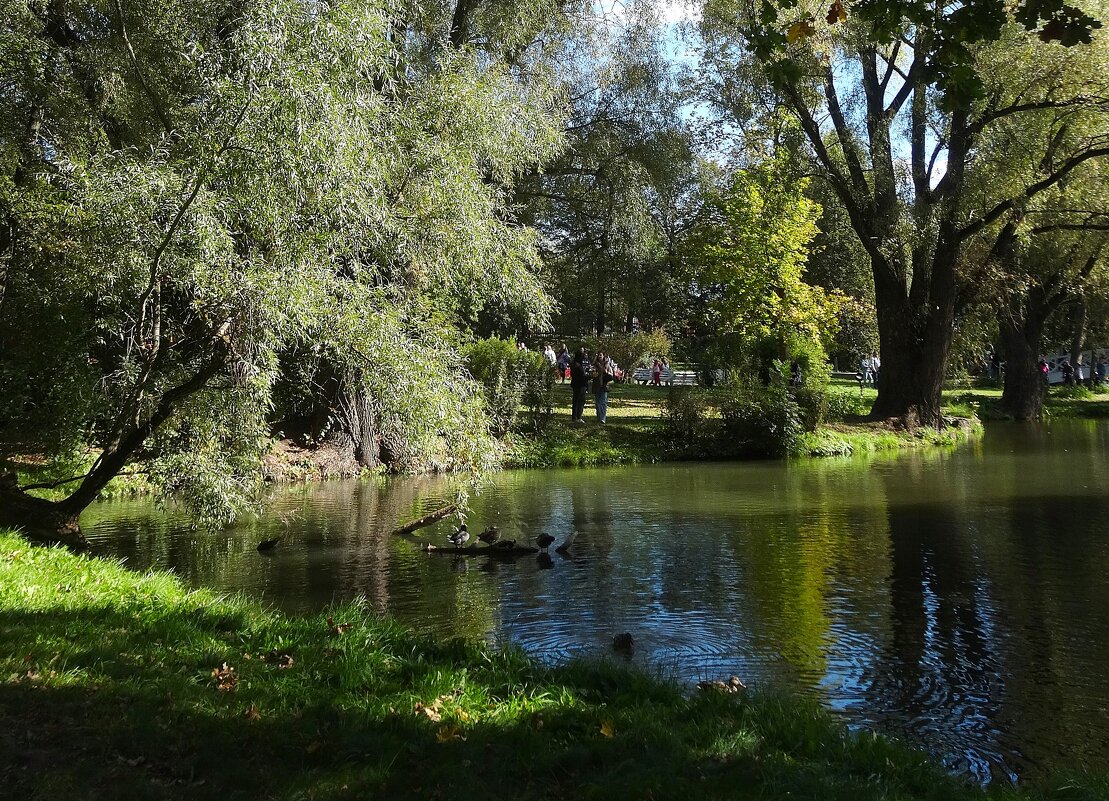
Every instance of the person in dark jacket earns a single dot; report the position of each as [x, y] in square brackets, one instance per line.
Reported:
[579, 383]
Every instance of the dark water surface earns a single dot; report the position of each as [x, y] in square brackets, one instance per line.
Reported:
[956, 599]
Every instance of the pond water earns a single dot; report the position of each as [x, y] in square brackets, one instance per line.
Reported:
[956, 599]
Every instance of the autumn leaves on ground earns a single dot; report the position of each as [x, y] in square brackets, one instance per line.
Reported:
[116, 685]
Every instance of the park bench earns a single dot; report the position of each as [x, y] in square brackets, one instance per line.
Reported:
[670, 378]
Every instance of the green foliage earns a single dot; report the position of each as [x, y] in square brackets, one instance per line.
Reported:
[762, 420]
[512, 377]
[683, 415]
[952, 37]
[497, 364]
[197, 194]
[632, 350]
[842, 404]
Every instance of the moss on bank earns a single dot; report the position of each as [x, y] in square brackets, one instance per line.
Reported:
[119, 685]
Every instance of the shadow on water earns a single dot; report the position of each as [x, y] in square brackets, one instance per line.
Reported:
[952, 598]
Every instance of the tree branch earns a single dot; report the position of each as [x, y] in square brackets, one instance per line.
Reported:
[1001, 208]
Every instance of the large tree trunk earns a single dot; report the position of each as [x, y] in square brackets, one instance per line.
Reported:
[915, 343]
[360, 421]
[39, 519]
[1023, 395]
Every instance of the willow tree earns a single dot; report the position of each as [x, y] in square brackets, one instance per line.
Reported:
[894, 104]
[189, 188]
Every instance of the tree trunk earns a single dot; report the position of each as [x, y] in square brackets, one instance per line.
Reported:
[360, 421]
[914, 349]
[39, 519]
[1023, 395]
[1079, 322]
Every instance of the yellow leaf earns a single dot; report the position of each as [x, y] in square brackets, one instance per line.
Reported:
[800, 30]
[607, 729]
[446, 733]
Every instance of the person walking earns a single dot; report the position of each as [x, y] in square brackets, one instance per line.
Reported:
[579, 383]
[602, 376]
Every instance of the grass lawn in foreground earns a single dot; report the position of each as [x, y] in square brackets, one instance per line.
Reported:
[117, 685]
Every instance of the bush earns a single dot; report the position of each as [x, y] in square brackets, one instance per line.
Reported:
[538, 388]
[841, 405]
[762, 420]
[632, 350]
[814, 403]
[683, 415]
[510, 378]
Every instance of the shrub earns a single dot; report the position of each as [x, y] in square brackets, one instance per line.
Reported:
[762, 420]
[632, 350]
[538, 388]
[683, 415]
[841, 405]
[510, 378]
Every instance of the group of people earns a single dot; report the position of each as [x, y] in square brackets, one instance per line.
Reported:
[591, 376]
[588, 375]
[869, 368]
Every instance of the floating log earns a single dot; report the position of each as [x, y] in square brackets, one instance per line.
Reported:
[481, 550]
[426, 520]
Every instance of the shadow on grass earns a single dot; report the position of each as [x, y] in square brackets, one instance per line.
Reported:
[110, 705]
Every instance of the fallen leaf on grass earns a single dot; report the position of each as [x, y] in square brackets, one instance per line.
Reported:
[430, 712]
[252, 713]
[447, 733]
[337, 628]
[275, 657]
[314, 746]
[608, 729]
[225, 678]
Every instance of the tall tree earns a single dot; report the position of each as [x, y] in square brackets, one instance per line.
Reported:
[614, 206]
[893, 105]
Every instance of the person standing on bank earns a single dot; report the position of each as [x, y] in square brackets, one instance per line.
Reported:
[579, 383]
[602, 376]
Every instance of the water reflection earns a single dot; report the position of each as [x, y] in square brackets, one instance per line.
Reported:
[955, 599]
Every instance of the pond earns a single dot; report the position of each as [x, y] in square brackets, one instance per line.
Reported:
[956, 599]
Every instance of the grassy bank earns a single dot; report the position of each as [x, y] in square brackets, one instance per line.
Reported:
[117, 685]
[636, 431]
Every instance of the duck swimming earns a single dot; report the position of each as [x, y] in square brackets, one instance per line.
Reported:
[544, 541]
[490, 535]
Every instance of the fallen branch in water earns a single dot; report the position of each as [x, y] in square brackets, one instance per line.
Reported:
[482, 550]
[426, 520]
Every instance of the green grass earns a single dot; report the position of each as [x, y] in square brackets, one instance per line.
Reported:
[110, 688]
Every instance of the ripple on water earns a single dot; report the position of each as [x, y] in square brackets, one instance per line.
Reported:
[955, 601]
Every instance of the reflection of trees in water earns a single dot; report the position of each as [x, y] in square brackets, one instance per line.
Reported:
[939, 678]
[1047, 571]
